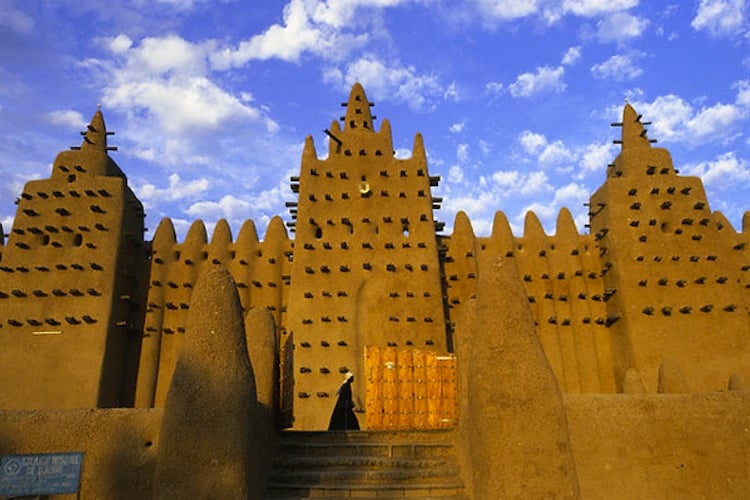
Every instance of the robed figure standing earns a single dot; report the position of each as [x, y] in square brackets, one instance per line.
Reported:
[343, 417]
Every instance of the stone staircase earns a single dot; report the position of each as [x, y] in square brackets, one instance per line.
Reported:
[361, 464]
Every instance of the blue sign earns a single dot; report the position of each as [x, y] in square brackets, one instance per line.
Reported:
[40, 474]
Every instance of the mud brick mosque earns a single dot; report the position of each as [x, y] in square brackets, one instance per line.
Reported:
[609, 364]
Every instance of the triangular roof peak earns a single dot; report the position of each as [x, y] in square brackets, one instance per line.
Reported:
[95, 135]
[633, 129]
[358, 115]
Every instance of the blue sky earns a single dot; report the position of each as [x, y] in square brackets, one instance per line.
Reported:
[211, 99]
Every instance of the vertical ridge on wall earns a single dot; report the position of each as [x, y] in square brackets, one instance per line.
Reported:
[163, 258]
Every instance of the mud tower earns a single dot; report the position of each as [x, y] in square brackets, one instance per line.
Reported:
[72, 285]
[366, 266]
[675, 272]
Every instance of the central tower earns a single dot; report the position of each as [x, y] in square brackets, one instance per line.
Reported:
[366, 268]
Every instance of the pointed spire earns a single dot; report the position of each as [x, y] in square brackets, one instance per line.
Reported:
[275, 230]
[532, 227]
[95, 136]
[196, 235]
[222, 235]
[164, 237]
[418, 152]
[501, 239]
[358, 115]
[462, 226]
[248, 235]
[308, 151]
[566, 226]
[746, 222]
[385, 130]
[334, 139]
[633, 131]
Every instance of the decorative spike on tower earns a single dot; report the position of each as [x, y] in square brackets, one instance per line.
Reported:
[634, 134]
[95, 135]
[358, 115]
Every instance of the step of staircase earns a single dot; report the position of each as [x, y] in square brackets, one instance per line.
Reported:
[362, 464]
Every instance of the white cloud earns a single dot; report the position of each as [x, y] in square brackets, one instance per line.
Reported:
[524, 184]
[591, 8]
[546, 153]
[120, 44]
[176, 190]
[67, 118]
[618, 67]
[571, 56]
[228, 207]
[462, 153]
[720, 17]
[457, 127]
[314, 27]
[383, 80]
[545, 79]
[595, 157]
[338, 13]
[674, 119]
[495, 88]
[620, 26]
[532, 142]
[455, 174]
[725, 171]
[508, 9]
[165, 89]
[15, 20]
[570, 195]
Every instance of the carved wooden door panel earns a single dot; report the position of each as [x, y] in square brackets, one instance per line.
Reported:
[410, 389]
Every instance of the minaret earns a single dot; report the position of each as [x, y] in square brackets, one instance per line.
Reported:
[671, 268]
[72, 285]
[366, 265]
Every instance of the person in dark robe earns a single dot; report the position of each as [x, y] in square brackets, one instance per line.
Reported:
[343, 417]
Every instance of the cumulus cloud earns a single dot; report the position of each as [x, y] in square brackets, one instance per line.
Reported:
[545, 79]
[619, 67]
[569, 195]
[721, 17]
[66, 118]
[726, 170]
[591, 8]
[176, 190]
[15, 20]
[457, 127]
[675, 119]
[494, 88]
[571, 56]
[462, 153]
[381, 79]
[228, 207]
[545, 153]
[550, 11]
[594, 157]
[522, 183]
[326, 29]
[620, 26]
[508, 9]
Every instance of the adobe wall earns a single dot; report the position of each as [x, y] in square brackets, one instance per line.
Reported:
[120, 445]
[260, 270]
[72, 285]
[661, 446]
[366, 263]
[678, 272]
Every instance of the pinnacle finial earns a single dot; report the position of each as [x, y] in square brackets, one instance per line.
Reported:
[95, 135]
[358, 115]
[633, 130]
